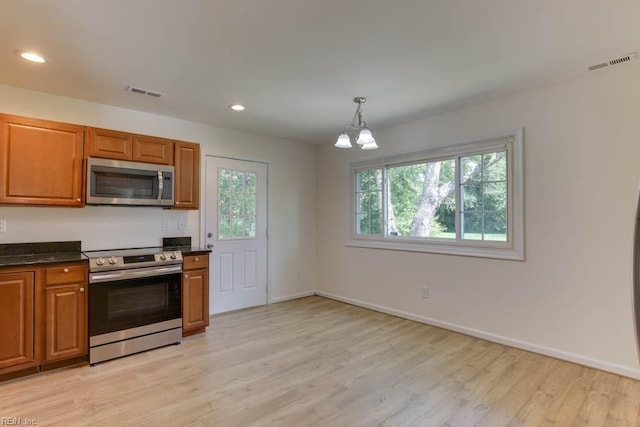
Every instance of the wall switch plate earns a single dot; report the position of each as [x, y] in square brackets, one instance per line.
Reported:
[3, 225]
[166, 225]
[425, 292]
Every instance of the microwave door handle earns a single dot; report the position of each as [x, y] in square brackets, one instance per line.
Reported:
[160, 185]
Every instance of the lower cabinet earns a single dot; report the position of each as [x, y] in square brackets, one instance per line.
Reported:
[66, 322]
[43, 315]
[19, 318]
[195, 294]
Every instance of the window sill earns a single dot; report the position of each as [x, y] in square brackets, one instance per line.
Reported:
[500, 251]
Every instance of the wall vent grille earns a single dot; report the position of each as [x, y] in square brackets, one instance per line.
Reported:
[621, 60]
[144, 91]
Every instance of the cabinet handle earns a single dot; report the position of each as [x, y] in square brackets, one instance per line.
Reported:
[66, 270]
[78, 199]
[186, 276]
[196, 259]
[81, 289]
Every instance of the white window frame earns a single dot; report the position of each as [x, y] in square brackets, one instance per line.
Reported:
[512, 249]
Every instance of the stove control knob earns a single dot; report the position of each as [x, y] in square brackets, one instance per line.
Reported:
[100, 261]
[112, 260]
[163, 257]
[173, 255]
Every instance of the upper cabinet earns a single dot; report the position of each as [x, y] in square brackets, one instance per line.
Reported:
[187, 183]
[111, 144]
[41, 162]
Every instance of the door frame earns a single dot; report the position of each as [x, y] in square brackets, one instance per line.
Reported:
[203, 210]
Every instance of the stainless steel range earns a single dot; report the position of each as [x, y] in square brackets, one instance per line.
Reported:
[135, 301]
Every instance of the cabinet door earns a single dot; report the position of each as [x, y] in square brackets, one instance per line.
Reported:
[66, 321]
[109, 144]
[187, 182]
[195, 301]
[41, 162]
[152, 150]
[17, 319]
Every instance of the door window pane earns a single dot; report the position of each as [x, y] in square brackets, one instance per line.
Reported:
[236, 204]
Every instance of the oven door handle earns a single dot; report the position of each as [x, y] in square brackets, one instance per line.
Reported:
[112, 276]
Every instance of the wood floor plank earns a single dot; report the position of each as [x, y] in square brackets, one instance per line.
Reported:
[317, 362]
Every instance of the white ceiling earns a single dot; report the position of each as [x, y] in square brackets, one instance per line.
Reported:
[297, 64]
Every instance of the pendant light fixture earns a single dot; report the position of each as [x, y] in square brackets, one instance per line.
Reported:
[358, 130]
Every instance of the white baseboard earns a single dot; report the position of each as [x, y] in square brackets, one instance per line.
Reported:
[558, 354]
[293, 296]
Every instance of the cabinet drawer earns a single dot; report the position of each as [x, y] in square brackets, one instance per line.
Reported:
[64, 274]
[191, 262]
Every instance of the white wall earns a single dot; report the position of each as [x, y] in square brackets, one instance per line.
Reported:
[292, 190]
[572, 296]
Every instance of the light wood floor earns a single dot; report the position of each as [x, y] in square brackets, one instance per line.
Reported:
[318, 362]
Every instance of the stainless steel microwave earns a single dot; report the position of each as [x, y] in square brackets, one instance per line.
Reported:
[118, 182]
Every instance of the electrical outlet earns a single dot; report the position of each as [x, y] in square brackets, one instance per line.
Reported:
[182, 224]
[298, 275]
[3, 225]
[425, 292]
[166, 225]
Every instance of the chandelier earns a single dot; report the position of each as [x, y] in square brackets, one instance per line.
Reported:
[357, 130]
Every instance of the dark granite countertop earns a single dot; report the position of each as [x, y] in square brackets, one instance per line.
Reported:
[41, 253]
[182, 244]
[187, 250]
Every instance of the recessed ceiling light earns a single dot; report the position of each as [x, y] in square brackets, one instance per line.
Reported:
[30, 56]
[236, 107]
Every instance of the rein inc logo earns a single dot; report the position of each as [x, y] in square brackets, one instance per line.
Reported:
[18, 421]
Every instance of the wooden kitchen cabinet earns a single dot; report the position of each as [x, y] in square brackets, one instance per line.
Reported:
[113, 144]
[41, 162]
[150, 149]
[19, 320]
[195, 294]
[109, 144]
[66, 321]
[187, 182]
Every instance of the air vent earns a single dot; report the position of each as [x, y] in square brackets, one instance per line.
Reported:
[144, 91]
[623, 59]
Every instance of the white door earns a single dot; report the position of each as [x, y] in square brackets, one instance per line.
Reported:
[236, 225]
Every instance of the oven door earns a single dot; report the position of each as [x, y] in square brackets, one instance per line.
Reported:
[133, 302]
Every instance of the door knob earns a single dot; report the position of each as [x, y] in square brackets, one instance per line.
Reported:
[209, 235]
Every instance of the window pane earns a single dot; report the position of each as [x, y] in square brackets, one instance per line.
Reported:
[237, 181]
[250, 183]
[495, 166]
[472, 225]
[420, 200]
[250, 204]
[236, 204]
[249, 226]
[471, 168]
[495, 226]
[495, 196]
[369, 202]
[224, 180]
[224, 227]
[471, 197]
